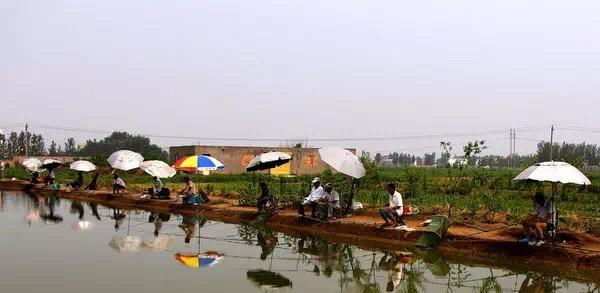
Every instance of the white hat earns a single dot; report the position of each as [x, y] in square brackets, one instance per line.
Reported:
[316, 180]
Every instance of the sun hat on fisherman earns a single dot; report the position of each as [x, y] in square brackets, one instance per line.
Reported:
[328, 185]
[317, 179]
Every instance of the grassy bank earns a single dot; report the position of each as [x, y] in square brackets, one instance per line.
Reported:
[472, 194]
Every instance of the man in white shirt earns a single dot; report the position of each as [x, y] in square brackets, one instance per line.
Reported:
[331, 199]
[313, 198]
[392, 214]
[118, 184]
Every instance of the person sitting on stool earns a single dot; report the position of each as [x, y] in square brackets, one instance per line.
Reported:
[313, 198]
[392, 214]
[118, 184]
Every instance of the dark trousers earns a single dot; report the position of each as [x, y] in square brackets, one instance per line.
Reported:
[391, 217]
[313, 208]
[117, 188]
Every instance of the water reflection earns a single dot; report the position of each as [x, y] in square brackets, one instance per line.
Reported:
[270, 260]
[47, 210]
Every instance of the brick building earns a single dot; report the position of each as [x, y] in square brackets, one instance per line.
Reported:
[236, 158]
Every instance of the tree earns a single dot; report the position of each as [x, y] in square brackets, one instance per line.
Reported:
[429, 159]
[37, 146]
[70, 146]
[378, 158]
[473, 148]
[52, 151]
[123, 140]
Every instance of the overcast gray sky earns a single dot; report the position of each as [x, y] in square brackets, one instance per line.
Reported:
[303, 69]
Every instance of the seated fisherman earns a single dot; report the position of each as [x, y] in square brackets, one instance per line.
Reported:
[35, 177]
[265, 199]
[312, 199]
[78, 183]
[330, 200]
[118, 184]
[188, 194]
[392, 214]
[93, 185]
[536, 224]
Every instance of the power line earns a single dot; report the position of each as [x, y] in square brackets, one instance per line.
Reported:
[380, 138]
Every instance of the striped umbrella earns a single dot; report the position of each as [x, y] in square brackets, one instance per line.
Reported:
[198, 162]
[202, 260]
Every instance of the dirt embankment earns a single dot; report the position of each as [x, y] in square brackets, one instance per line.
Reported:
[492, 245]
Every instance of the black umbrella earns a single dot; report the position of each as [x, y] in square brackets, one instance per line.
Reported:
[269, 279]
[51, 164]
[267, 161]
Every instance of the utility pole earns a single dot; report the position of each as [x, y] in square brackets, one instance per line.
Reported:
[551, 141]
[26, 142]
[510, 146]
[514, 145]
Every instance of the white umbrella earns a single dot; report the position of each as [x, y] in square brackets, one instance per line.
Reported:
[32, 164]
[51, 163]
[83, 166]
[556, 172]
[159, 169]
[125, 160]
[83, 225]
[268, 160]
[159, 243]
[126, 243]
[343, 161]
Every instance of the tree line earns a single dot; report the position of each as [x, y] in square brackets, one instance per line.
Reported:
[19, 144]
[577, 154]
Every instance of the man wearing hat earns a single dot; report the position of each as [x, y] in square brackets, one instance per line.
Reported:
[330, 200]
[313, 198]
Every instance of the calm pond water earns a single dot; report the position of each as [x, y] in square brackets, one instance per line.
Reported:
[53, 245]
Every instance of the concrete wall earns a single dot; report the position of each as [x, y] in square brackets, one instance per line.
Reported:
[236, 158]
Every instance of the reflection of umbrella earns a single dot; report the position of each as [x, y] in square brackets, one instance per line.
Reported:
[268, 160]
[343, 161]
[125, 160]
[159, 169]
[32, 164]
[127, 243]
[159, 243]
[83, 166]
[83, 225]
[268, 279]
[32, 216]
[51, 164]
[52, 218]
[202, 260]
[556, 172]
[198, 162]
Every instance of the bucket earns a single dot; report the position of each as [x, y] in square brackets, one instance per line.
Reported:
[434, 233]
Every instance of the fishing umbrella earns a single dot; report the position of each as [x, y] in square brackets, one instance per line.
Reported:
[555, 172]
[125, 160]
[343, 161]
[32, 164]
[82, 166]
[161, 243]
[202, 260]
[268, 279]
[51, 164]
[267, 161]
[83, 225]
[159, 169]
[198, 162]
[126, 243]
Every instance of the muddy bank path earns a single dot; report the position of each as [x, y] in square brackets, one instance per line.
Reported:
[494, 245]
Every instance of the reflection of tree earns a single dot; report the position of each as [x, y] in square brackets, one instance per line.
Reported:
[413, 280]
